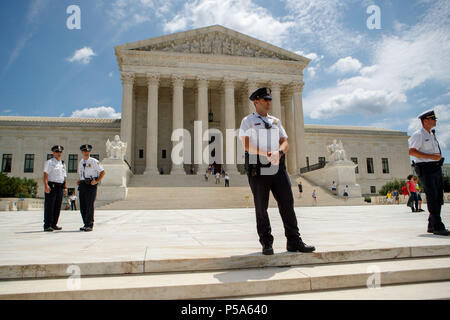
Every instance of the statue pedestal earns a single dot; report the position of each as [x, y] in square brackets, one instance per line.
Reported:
[114, 185]
[342, 172]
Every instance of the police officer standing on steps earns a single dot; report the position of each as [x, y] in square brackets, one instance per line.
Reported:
[424, 146]
[265, 143]
[55, 187]
[91, 173]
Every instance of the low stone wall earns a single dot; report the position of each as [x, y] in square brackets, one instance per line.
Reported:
[17, 204]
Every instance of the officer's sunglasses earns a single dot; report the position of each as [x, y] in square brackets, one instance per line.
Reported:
[58, 151]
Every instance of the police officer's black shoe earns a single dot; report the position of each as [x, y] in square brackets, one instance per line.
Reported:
[49, 229]
[267, 250]
[443, 232]
[300, 247]
[82, 228]
[88, 229]
[56, 228]
[430, 230]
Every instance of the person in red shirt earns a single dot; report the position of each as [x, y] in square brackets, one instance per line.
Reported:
[412, 193]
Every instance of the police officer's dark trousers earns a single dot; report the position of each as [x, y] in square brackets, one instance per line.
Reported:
[52, 204]
[280, 185]
[88, 194]
[431, 178]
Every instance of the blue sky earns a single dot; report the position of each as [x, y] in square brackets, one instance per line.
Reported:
[357, 76]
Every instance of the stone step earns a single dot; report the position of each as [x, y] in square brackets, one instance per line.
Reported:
[232, 283]
[416, 291]
[204, 261]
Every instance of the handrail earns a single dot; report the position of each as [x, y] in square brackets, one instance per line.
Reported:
[313, 167]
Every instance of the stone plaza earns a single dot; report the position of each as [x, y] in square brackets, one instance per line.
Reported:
[190, 254]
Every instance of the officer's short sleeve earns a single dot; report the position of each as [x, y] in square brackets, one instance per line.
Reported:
[244, 130]
[99, 166]
[415, 141]
[47, 166]
[283, 133]
[80, 168]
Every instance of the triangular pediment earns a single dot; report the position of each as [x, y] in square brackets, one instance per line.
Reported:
[214, 40]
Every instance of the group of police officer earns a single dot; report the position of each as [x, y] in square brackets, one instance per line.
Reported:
[265, 142]
[55, 182]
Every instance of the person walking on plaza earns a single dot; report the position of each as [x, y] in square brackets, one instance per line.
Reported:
[413, 201]
[424, 147]
[91, 173]
[346, 193]
[314, 196]
[55, 183]
[227, 180]
[396, 197]
[217, 178]
[333, 188]
[266, 171]
[419, 197]
[73, 202]
[300, 189]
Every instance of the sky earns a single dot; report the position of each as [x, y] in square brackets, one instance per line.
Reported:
[373, 63]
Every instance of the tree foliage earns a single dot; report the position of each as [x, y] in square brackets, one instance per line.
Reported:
[12, 187]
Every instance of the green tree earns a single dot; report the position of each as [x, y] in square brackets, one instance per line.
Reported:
[392, 185]
[446, 184]
[13, 187]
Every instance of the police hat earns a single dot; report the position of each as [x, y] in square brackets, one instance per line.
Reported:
[429, 114]
[57, 148]
[86, 147]
[261, 93]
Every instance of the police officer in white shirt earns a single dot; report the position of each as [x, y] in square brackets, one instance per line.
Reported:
[55, 184]
[424, 147]
[91, 173]
[265, 144]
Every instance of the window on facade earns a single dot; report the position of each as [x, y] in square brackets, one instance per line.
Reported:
[6, 163]
[385, 165]
[355, 161]
[29, 163]
[164, 154]
[49, 156]
[141, 153]
[95, 156]
[307, 161]
[370, 168]
[373, 189]
[73, 162]
[321, 159]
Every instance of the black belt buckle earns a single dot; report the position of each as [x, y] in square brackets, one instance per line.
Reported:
[88, 181]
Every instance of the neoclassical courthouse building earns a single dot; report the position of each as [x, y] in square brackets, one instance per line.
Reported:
[206, 75]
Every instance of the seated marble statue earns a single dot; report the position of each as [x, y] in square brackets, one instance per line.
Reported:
[116, 149]
[336, 151]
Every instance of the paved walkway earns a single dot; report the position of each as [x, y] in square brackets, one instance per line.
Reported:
[168, 234]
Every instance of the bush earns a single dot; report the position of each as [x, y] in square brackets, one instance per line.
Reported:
[393, 185]
[12, 187]
[368, 199]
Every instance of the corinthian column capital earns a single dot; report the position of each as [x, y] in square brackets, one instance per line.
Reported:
[177, 80]
[228, 83]
[297, 86]
[127, 78]
[153, 79]
[202, 81]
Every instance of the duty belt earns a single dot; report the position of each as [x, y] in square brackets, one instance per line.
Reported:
[55, 184]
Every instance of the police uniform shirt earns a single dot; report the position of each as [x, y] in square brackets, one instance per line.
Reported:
[253, 126]
[56, 170]
[425, 142]
[90, 168]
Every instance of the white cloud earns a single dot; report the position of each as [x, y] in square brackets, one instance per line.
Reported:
[346, 65]
[7, 111]
[96, 112]
[360, 101]
[241, 15]
[401, 63]
[83, 55]
[110, 74]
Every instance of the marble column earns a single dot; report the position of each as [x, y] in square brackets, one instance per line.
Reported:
[252, 85]
[177, 116]
[291, 156]
[230, 123]
[126, 124]
[276, 103]
[151, 165]
[299, 124]
[201, 115]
